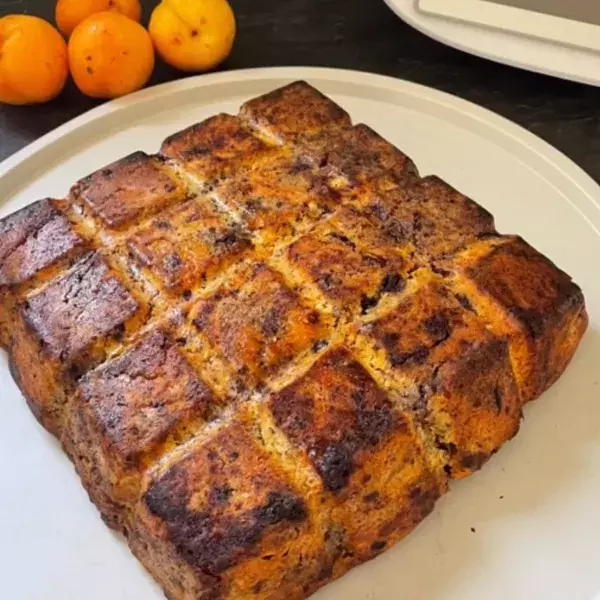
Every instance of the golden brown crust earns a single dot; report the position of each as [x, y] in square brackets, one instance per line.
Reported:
[268, 348]
[366, 453]
[214, 148]
[130, 411]
[293, 111]
[429, 216]
[350, 271]
[188, 244]
[128, 190]
[524, 296]
[258, 325]
[278, 196]
[33, 242]
[442, 363]
[358, 159]
[67, 326]
[227, 510]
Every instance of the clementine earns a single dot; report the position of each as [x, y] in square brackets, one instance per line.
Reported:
[33, 60]
[110, 55]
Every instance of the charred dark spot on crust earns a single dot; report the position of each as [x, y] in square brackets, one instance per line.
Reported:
[378, 545]
[423, 499]
[532, 320]
[173, 262]
[281, 507]
[367, 303]
[465, 302]
[438, 328]
[343, 239]
[392, 283]
[498, 399]
[372, 497]
[220, 495]
[325, 573]
[335, 466]
[449, 447]
[299, 166]
[230, 239]
[119, 332]
[474, 462]
[418, 357]
[271, 323]
[319, 345]
[209, 543]
[440, 271]
[186, 295]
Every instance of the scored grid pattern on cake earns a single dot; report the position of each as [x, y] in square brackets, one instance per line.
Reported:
[339, 200]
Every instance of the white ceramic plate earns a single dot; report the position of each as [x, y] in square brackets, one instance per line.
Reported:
[507, 46]
[526, 527]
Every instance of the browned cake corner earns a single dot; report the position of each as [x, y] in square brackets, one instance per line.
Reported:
[295, 111]
[268, 347]
[127, 190]
[441, 363]
[66, 327]
[523, 296]
[187, 245]
[128, 413]
[224, 521]
[34, 242]
[375, 477]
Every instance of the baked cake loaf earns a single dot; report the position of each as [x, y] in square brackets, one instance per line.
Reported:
[268, 347]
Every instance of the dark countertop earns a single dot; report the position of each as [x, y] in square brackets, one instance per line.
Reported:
[363, 35]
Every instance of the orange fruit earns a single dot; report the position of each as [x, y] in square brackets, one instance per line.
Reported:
[110, 55]
[193, 35]
[69, 13]
[33, 60]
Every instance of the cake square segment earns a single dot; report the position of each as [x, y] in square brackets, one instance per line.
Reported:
[215, 148]
[128, 190]
[294, 111]
[128, 413]
[351, 275]
[374, 473]
[524, 296]
[227, 513]
[70, 324]
[277, 196]
[440, 362]
[258, 324]
[357, 159]
[34, 242]
[430, 215]
[188, 244]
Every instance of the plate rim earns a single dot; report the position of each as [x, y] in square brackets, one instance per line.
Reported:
[453, 41]
[572, 175]
[565, 171]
